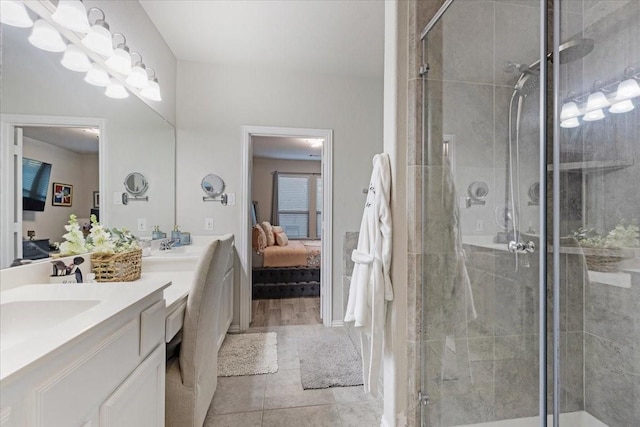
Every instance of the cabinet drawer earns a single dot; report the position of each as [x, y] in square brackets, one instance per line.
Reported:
[69, 397]
[151, 327]
[174, 322]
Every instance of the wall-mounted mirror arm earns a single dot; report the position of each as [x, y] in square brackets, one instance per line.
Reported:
[222, 199]
[213, 187]
[477, 193]
[126, 198]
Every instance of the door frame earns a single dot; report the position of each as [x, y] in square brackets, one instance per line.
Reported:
[8, 124]
[244, 246]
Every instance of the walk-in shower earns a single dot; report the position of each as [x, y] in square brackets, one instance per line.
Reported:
[529, 301]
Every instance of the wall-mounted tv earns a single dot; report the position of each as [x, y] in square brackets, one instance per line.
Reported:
[35, 183]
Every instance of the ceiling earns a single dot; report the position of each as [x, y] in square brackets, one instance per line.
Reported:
[70, 138]
[286, 148]
[342, 37]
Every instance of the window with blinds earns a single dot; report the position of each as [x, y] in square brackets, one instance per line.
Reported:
[299, 205]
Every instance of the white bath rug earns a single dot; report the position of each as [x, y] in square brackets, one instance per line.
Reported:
[248, 354]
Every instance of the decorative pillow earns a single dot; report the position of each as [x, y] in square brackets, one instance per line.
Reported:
[269, 232]
[281, 238]
[259, 239]
[276, 229]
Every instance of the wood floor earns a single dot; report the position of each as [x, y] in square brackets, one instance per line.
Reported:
[286, 311]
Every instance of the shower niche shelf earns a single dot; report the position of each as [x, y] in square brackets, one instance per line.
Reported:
[593, 166]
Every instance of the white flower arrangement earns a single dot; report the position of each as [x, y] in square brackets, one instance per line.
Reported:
[74, 243]
[100, 240]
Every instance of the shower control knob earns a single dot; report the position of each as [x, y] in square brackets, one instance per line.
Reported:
[521, 247]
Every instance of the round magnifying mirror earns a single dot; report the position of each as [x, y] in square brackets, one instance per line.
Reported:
[136, 184]
[534, 193]
[212, 185]
[478, 190]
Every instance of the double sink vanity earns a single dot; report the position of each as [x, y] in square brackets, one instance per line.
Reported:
[93, 354]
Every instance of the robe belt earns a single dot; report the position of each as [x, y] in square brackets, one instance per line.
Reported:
[360, 257]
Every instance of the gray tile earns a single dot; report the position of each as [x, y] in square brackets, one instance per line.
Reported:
[575, 272]
[350, 394]
[360, 414]
[244, 419]
[414, 125]
[288, 357]
[284, 390]
[572, 368]
[312, 416]
[349, 243]
[239, 394]
[610, 312]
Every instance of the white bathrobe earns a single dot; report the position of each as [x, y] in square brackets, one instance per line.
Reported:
[371, 281]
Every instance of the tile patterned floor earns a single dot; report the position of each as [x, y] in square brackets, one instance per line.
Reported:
[278, 400]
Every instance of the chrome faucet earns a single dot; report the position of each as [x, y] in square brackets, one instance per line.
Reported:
[167, 244]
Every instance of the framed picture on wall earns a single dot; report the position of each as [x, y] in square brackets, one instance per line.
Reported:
[96, 199]
[62, 194]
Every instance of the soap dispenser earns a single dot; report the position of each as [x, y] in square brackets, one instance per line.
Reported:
[175, 235]
[157, 234]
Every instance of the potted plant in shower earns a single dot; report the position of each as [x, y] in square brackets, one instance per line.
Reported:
[605, 252]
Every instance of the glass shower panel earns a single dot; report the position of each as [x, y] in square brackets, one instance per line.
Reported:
[599, 141]
[481, 191]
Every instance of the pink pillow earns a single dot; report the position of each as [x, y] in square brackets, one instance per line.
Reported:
[269, 232]
[282, 239]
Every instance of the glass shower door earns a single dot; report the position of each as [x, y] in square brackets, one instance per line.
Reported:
[481, 194]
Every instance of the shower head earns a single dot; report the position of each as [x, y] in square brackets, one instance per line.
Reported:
[527, 84]
[570, 51]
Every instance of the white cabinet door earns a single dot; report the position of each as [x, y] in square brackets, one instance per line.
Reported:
[139, 401]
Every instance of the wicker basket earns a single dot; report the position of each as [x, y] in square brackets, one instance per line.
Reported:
[120, 267]
[604, 259]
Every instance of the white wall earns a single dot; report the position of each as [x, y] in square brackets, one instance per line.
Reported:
[214, 102]
[67, 167]
[262, 180]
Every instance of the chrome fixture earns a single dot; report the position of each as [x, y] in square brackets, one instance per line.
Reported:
[521, 247]
[477, 193]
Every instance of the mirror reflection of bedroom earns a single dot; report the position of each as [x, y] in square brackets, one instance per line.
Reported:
[286, 234]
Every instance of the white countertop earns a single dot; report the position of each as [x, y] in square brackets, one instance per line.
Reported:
[105, 300]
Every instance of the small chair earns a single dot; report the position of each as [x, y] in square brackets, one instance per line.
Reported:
[192, 377]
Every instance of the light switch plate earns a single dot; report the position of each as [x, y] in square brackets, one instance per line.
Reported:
[208, 224]
[117, 198]
[142, 224]
[231, 199]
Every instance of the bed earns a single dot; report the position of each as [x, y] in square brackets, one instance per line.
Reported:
[289, 271]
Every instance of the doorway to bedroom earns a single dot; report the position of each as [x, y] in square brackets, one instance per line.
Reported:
[287, 212]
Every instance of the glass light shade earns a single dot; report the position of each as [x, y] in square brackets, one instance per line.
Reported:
[594, 115]
[72, 15]
[120, 61]
[45, 37]
[98, 39]
[14, 13]
[97, 76]
[597, 101]
[75, 59]
[570, 123]
[152, 91]
[138, 77]
[116, 90]
[569, 111]
[627, 89]
[622, 107]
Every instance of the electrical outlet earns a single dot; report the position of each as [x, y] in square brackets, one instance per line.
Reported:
[142, 224]
[479, 225]
[208, 224]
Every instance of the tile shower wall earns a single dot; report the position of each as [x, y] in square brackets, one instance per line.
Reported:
[349, 243]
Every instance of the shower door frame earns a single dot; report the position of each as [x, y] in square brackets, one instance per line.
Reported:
[543, 223]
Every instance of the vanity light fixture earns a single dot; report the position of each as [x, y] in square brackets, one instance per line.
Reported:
[98, 39]
[152, 91]
[75, 59]
[97, 76]
[627, 89]
[120, 60]
[138, 76]
[570, 110]
[594, 115]
[14, 13]
[597, 101]
[622, 107]
[45, 37]
[72, 14]
[116, 90]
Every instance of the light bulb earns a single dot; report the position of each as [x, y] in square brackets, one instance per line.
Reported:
[116, 90]
[72, 15]
[152, 91]
[14, 13]
[75, 59]
[594, 115]
[97, 76]
[597, 101]
[45, 37]
[569, 111]
[120, 61]
[570, 123]
[138, 76]
[622, 107]
[627, 89]
[98, 39]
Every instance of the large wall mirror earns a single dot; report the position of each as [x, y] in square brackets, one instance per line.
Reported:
[48, 107]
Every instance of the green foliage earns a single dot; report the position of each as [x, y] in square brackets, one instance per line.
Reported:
[623, 235]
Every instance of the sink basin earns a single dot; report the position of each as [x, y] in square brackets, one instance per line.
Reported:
[20, 319]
